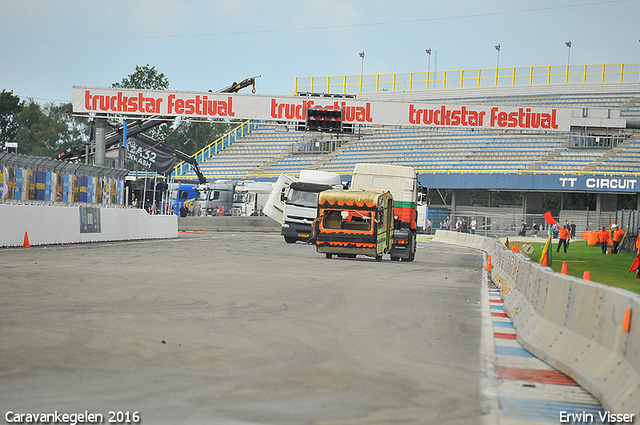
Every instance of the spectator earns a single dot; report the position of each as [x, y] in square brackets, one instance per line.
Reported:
[573, 230]
[604, 237]
[458, 225]
[523, 229]
[209, 210]
[184, 211]
[447, 223]
[618, 234]
[465, 226]
[564, 234]
[473, 225]
[556, 230]
[534, 230]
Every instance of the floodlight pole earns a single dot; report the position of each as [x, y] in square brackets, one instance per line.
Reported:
[428, 51]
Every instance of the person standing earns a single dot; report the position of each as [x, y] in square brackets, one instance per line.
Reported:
[523, 229]
[458, 225]
[573, 230]
[604, 237]
[564, 235]
[473, 225]
[618, 233]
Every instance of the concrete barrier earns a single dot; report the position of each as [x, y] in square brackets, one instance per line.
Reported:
[574, 325]
[229, 224]
[53, 224]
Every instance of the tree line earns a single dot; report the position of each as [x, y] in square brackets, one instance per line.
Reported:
[50, 128]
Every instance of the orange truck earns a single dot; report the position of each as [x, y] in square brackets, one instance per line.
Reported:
[354, 222]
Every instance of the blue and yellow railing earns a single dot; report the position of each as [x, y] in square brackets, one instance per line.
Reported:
[216, 146]
[488, 77]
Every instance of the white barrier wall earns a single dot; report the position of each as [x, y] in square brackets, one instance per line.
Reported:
[53, 224]
[574, 325]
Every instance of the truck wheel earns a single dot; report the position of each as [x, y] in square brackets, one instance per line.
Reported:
[412, 252]
[287, 239]
[393, 258]
[378, 257]
[328, 255]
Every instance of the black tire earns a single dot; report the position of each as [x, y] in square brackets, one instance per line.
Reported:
[288, 239]
[378, 257]
[328, 255]
[393, 258]
[412, 253]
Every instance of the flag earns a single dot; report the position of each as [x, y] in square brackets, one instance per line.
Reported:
[507, 243]
[545, 258]
[635, 264]
[549, 218]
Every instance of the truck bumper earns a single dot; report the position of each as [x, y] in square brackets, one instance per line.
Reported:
[296, 231]
[403, 246]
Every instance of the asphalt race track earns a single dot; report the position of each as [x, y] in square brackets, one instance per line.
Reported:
[241, 328]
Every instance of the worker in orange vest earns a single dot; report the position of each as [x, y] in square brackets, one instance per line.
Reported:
[604, 236]
[565, 235]
[618, 233]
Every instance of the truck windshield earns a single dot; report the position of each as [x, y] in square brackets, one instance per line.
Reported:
[173, 194]
[240, 197]
[302, 198]
[203, 195]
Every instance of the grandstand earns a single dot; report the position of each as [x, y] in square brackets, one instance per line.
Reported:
[604, 139]
[269, 149]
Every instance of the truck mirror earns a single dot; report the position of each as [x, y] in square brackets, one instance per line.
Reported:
[282, 194]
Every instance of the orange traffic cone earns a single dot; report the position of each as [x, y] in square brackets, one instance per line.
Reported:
[489, 267]
[586, 275]
[25, 244]
[564, 268]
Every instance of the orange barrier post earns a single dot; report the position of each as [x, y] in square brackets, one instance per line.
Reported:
[586, 275]
[26, 244]
[489, 266]
[627, 321]
[564, 268]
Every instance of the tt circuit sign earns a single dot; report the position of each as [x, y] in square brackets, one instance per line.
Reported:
[522, 181]
[121, 102]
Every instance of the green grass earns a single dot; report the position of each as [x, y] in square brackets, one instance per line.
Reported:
[608, 269]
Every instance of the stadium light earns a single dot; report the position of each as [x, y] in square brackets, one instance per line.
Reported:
[362, 67]
[568, 44]
[428, 51]
[498, 60]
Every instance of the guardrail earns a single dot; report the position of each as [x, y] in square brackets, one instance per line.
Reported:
[213, 148]
[584, 329]
[486, 77]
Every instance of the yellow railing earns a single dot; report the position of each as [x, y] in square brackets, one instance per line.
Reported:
[213, 148]
[489, 77]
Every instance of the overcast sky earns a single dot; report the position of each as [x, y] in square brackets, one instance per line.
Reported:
[48, 46]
